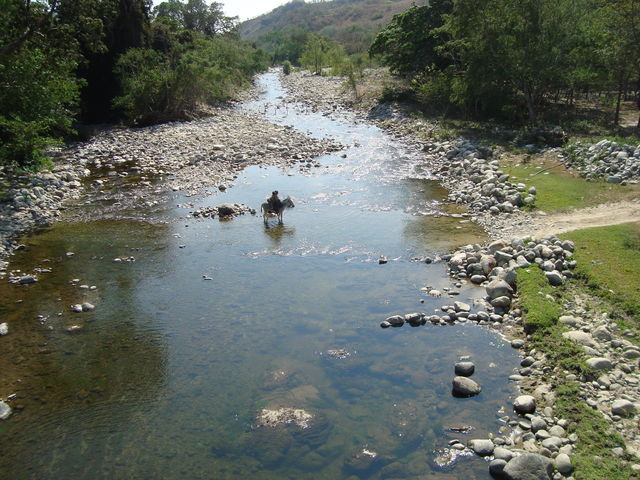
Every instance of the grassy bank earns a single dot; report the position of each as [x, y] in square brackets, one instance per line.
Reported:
[559, 189]
[608, 269]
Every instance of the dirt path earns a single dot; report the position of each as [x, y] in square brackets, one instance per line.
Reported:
[599, 216]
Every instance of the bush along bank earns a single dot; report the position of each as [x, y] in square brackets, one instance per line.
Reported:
[606, 159]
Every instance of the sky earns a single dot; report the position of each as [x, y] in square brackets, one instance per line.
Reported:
[246, 9]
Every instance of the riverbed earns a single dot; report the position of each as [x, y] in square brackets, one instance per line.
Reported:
[201, 324]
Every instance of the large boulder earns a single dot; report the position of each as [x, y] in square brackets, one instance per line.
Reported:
[524, 404]
[499, 288]
[465, 387]
[529, 466]
[623, 408]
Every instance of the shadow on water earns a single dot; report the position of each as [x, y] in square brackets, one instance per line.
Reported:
[203, 323]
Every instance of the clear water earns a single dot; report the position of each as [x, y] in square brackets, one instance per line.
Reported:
[165, 378]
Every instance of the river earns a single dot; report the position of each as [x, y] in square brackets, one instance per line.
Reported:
[206, 322]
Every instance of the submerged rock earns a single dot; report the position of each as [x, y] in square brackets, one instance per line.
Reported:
[5, 411]
[283, 416]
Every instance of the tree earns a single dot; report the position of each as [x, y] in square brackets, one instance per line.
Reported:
[314, 56]
[514, 50]
[413, 40]
[39, 91]
[197, 16]
[622, 34]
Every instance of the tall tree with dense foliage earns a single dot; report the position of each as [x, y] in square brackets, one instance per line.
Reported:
[197, 16]
[413, 40]
[621, 19]
[38, 87]
[196, 58]
[514, 50]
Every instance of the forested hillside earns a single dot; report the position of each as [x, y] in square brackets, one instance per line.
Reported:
[353, 23]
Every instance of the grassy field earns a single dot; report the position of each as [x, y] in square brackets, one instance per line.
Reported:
[609, 265]
[559, 189]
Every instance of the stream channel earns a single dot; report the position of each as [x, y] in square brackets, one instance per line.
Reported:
[165, 378]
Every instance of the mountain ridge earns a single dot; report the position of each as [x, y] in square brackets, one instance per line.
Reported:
[351, 22]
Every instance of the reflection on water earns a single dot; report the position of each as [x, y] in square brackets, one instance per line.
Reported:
[211, 322]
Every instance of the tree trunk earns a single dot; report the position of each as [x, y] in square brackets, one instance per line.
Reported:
[529, 96]
[616, 117]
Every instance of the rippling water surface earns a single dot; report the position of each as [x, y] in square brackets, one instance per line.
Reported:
[210, 321]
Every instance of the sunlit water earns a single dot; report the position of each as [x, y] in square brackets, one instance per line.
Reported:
[215, 320]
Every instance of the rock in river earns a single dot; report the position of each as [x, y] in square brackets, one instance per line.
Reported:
[465, 369]
[5, 411]
[465, 387]
[529, 466]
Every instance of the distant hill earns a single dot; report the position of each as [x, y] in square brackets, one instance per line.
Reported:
[353, 23]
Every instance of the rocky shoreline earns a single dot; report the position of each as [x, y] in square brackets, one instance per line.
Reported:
[141, 166]
[534, 442]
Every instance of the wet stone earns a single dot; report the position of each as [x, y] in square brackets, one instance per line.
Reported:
[465, 387]
[5, 411]
[464, 369]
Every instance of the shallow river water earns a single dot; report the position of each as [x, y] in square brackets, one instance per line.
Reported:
[212, 321]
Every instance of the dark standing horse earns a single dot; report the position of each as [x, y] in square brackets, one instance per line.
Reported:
[266, 210]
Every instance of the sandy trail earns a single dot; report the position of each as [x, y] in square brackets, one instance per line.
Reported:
[598, 216]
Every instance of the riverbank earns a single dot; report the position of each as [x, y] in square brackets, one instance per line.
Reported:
[580, 364]
[125, 167]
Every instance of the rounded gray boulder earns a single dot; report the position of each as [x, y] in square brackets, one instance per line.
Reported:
[524, 404]
[465, 369]
[529, 466]
[465, 387]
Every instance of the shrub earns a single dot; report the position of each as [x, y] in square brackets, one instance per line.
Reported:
[158, 87]
[286, 67]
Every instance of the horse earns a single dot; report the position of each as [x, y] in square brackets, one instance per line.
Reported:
[266, 211]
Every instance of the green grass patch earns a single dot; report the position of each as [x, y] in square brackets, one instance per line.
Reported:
[558, 190]
[594, 459]
[537, 299]
[609, 264]
[562, 352]
[542, 307]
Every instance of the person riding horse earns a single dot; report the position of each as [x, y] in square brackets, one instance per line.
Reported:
[275, 204]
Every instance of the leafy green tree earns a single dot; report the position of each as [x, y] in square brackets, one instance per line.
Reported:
[315, 56]
[158, 87]
[518, 51]
[413, 40]
[287, 44]
[197, 16]
[125, 25]
[621, 20]
[38, 88]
